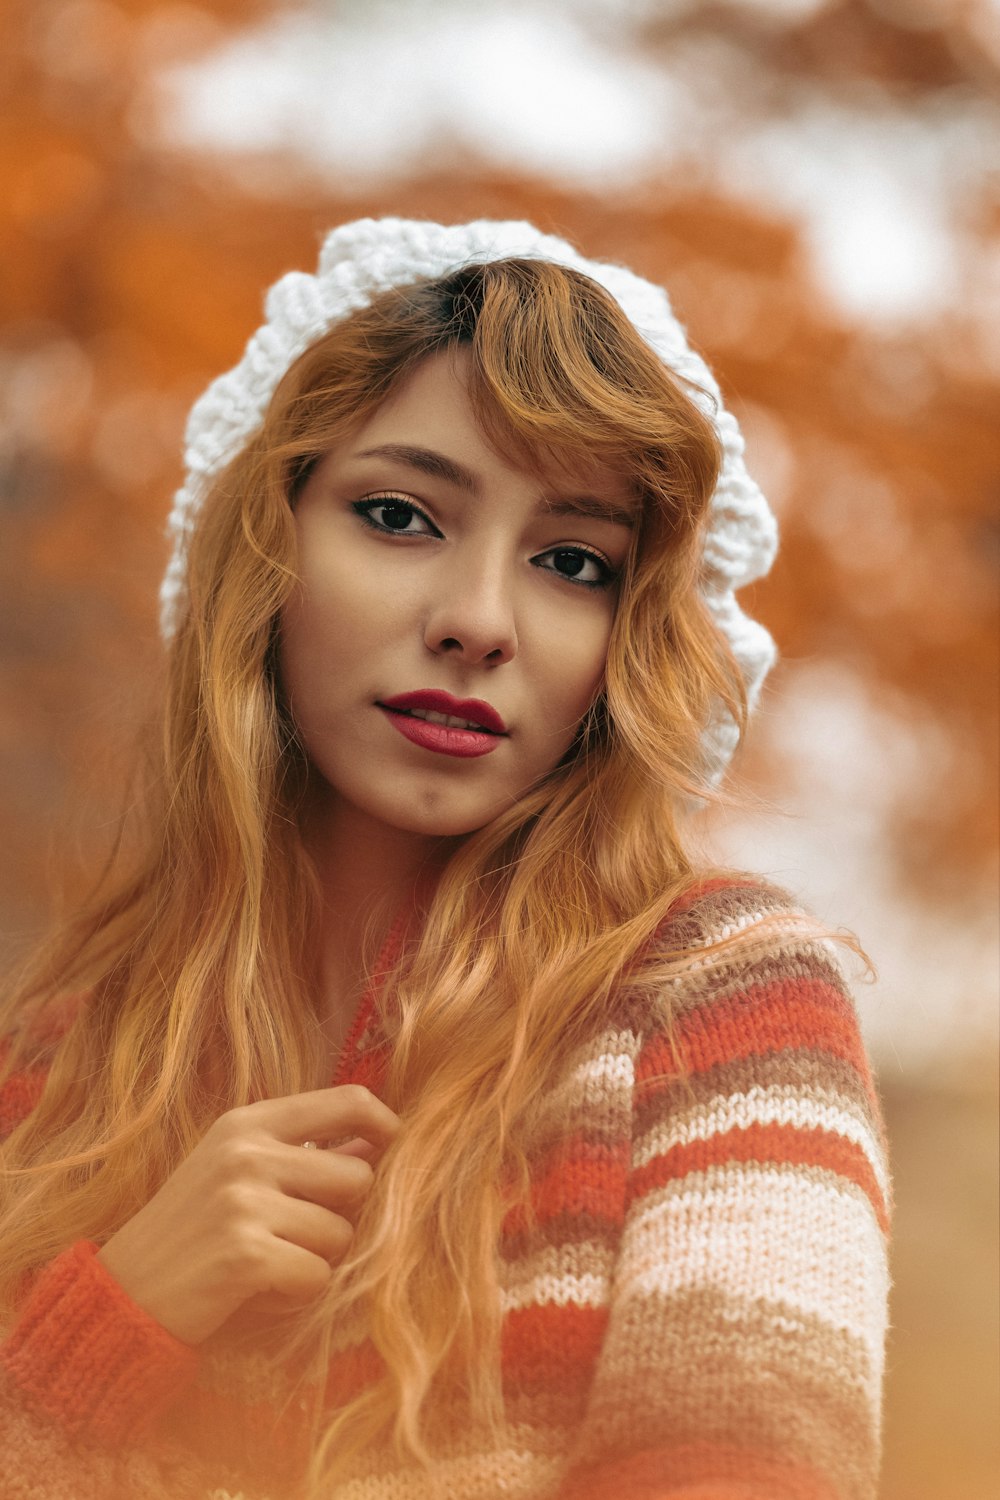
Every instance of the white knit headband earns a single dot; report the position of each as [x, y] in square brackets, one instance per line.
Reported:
[360, 260]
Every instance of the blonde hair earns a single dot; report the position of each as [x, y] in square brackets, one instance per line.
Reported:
[199, 961]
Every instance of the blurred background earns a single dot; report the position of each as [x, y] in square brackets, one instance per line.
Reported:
[818, 184]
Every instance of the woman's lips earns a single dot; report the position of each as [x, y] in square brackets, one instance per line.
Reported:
[427, 718]
[446, 739]
[473, 712]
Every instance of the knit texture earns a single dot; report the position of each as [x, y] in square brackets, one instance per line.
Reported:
[697, 1308]
[362, 259]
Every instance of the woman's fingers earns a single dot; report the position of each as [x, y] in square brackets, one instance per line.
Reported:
[315, 1229]
[322, 1115]
[356, 1147]
[296, 1273]
[250, 1211]
[333, 1179]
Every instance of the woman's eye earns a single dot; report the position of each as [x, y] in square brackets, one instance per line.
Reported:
[393, 513]
[578, 566]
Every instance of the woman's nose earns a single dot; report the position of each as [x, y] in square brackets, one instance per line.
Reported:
[473, 618]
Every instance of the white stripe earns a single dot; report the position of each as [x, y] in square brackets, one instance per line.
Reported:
[555, 1277]
[731, 928]
[785, 941]
[514, 1471]
[759, 1233]
[558, 1291]
[605, 1080]
[616, 1069]
[797, 923]
[780, 1104]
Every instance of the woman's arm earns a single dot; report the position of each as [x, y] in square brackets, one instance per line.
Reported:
[103, 1341]
[744, 1350]
[85, 1375]
[83, 1369]
[84, 1354]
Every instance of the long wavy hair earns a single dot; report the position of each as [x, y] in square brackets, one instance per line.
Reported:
[198, 953]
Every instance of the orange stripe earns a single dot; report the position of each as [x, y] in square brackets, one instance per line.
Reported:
[260, 1435]
[352, 1368]
[696, 1472]
[782, 1144]
[264, 1431]
[809, 1014]
[551, 1343]
[581, 1178]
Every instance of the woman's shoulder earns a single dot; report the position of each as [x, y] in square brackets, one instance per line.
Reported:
[730, 928]
[748, 1039]
[718, 909]
[739, 973]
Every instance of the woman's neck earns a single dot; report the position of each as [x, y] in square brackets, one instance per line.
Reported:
[367, 872]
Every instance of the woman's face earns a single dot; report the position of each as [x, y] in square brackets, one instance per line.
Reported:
[429, 565]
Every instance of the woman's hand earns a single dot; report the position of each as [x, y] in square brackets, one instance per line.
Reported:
[250, 1211]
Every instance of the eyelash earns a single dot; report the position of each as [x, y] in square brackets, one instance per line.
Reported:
[364, 509]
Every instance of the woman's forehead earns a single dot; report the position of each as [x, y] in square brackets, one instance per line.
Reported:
[431, 406]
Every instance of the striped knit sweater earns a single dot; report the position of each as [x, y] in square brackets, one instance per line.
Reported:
[699, 1310]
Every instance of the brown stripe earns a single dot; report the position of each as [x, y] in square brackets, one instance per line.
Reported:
[703, 1365]
[601, 1110]
[814, 1073]
[561, 1230]
[787, 957]
[546, 1415]
[798, 948]
[714, 910]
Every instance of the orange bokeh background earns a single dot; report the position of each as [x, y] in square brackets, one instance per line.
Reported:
[131, 272]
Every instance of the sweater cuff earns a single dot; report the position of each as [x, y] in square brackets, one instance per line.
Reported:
[88, 1356]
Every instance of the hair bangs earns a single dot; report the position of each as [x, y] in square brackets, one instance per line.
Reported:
[558, 376]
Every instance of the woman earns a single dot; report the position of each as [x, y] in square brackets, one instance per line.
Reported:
[453, 651]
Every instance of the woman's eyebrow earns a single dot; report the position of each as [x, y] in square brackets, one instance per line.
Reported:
[590, 506]
[428, 461]
[439, 466]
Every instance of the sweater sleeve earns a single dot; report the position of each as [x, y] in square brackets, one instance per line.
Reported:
[743, 1355]
[85, 1373]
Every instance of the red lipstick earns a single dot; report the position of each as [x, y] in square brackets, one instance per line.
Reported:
[472, 709]
[486, 731]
